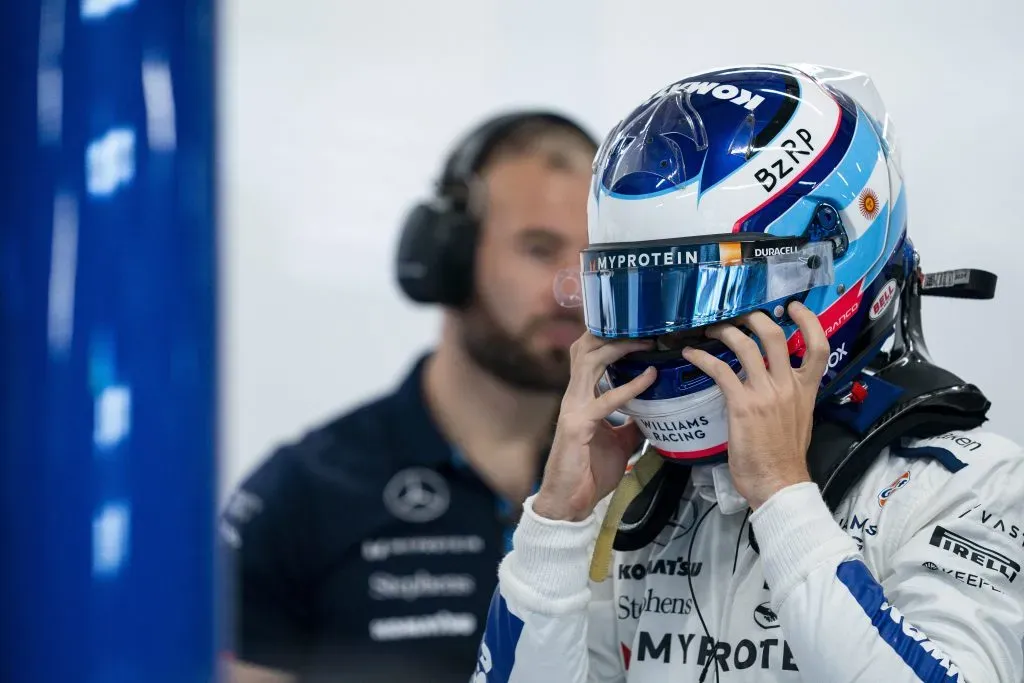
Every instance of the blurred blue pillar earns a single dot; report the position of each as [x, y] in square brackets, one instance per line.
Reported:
[107, 342]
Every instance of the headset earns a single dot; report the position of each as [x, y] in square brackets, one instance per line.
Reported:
[437, 248]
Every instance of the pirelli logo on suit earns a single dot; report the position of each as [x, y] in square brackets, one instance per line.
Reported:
[974, 552]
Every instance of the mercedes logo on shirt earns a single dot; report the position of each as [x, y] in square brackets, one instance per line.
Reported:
[417, 494]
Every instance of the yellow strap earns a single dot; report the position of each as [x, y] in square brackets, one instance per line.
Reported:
[625, 493]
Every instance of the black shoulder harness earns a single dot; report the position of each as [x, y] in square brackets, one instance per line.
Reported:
[927, 401]
[908, 397]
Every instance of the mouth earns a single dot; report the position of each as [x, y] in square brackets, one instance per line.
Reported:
[562, 333]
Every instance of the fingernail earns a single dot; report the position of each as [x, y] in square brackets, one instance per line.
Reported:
[687, 350]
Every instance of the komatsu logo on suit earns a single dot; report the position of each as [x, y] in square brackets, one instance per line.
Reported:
[721, 91]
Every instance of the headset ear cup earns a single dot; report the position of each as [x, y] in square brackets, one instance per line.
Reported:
[417, 254]
[460, 265]
[435, 256]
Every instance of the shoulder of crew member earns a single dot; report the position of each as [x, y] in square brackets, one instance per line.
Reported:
[333, 473]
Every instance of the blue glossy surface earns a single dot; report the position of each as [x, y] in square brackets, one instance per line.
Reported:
[107, 342]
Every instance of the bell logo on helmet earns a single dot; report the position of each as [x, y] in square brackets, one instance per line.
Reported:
[883, 300]
[721, 91]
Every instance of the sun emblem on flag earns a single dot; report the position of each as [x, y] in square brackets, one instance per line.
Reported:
[868, 203]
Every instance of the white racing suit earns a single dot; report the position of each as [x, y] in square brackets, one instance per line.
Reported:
[914, 578]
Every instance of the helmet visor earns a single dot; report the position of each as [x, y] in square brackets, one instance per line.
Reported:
[654, 288]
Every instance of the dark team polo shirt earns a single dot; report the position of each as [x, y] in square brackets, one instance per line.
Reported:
[366, 551]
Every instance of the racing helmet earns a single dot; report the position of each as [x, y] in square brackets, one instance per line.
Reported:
[732, 191]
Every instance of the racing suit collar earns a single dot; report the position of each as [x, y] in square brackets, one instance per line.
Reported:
[714, 484]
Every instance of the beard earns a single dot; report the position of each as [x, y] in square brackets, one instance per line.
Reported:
[509, 357]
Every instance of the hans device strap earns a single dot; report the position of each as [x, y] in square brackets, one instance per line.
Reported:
[966, 283]
[437, 247]
[908, 397]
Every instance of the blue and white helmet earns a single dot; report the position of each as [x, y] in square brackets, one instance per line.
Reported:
[732, 191]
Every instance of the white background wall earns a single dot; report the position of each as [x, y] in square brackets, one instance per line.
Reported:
[335, 115]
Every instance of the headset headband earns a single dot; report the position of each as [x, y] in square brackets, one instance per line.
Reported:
[467, 159]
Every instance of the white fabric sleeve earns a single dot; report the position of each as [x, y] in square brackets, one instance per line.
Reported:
[548, 622]
[949, 609]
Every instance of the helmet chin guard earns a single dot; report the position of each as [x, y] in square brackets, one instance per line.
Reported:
[691, 429]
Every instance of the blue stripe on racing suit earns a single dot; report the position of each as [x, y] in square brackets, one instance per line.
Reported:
[498, 647]
[913, 647]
